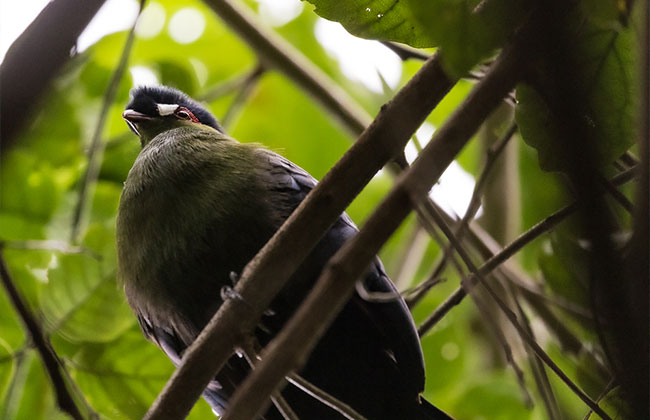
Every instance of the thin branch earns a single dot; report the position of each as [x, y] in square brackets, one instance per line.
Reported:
[96, 150]
[472, 208]
[411, 257]
[51, 361]
[515, 246]
[537, 367]
[505, 346]
[245, 91]
[610, 385]
[252, 357]
[304, 385]
[278, 259]
[324, 397]
[292, 345]
[35, 59]
[479, 277]
[618, 196]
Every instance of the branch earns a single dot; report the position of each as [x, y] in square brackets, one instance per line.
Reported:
[536, 366]
[36, 57]
[477, 276]
[276, 53]
[472, 208]
[276, 262]
[51, 361]
[515, 246]
[292, 345]
[96, 149]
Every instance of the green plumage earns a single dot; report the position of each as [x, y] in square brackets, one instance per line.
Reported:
[184, 182]
[196, 207]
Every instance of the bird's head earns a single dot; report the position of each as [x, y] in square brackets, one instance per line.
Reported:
[156, 109]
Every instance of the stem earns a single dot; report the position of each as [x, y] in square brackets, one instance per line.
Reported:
[515, 246]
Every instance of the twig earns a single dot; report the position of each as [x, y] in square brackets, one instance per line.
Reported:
[245, 90]
[478, 276]
[274, 264]
[96, 150]
[35, 58]
[505, 346]
[292, 345]
[537, 367]
[610, 385]
[51, 361]
[515, 246]
[324, 397]
[617, 195]
[301, 383]
[411, 257]
[251, 355]
[472, 208]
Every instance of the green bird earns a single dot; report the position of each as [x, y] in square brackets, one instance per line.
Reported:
[196, 207]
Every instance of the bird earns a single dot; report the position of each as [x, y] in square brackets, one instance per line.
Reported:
[196, 207]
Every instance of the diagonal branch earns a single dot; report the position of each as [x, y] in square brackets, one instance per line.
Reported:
[508, 251]
[292, 346]
[51, 361]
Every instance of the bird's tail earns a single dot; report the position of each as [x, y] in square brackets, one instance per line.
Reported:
[431, 412]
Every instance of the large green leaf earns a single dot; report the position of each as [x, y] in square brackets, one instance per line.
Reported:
[466, 31]
[603, 54]
[386, 20]
[31, 396]
[122, 378]
[81, 300]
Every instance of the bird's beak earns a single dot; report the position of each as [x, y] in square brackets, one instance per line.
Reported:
[134, 116]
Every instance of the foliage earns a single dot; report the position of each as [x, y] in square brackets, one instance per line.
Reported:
[78, 298]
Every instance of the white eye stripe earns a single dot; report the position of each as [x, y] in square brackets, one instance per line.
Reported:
[166, 109]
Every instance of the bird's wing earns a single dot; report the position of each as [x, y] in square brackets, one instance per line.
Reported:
[392, 318]
[219, 389]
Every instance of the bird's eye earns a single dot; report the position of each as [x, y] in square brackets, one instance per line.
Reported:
[185, 114]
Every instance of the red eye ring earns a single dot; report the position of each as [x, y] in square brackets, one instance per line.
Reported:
[183, 113]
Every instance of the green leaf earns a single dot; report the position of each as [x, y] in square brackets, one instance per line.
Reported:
[465, 30]
[82, 301]
[385, 20]
[603, 55]
[31, 396]
[565, 268]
